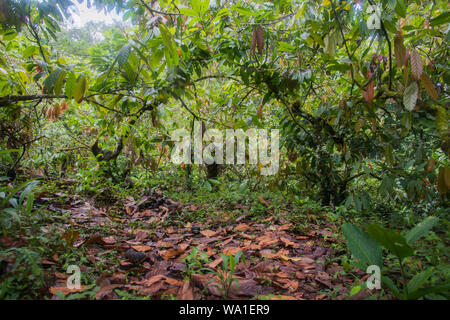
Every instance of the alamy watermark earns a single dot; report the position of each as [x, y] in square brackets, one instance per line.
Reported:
[374, 21]
[258, 147]
[74, 281]
[374, 280]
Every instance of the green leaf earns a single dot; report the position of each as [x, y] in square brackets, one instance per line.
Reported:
[237, 257]
[391, 285]
[245, 12]
[130, 72]
[80, 89]
[9, 35]
[13, 213]
[170, 52]
[232, 264]
[285, 47]
[50, 81]
[330, 43]
[13, 192]
[362, 246]
[421, 229]
[29, 51]
[441, 19]
[444, 288]
[354, 290]
[225, 261]
[27, 190]
[123, 55]
[8, 151]
[30, 200]
[400, 8]
[391, 240]
[59, 83]
[188, 12]
[410, 96]
[419, 280]
[391, 4]
[70, 85]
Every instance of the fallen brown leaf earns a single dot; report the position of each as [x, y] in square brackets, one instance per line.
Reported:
[142, 248]
[170, 253]
[215, 263]
[71, 236]
[208, 233]
[242, 227]
[186, 292]
[173, 281]
[65, 290]
[106, 291]
[109, 240]
[288, 242]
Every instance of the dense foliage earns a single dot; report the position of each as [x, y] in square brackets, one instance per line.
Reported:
[362, 112]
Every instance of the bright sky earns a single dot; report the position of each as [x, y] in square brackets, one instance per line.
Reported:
[86, 15]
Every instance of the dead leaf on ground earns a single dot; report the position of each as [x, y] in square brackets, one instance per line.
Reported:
[208, 233]
[215, 263]
[242, 227]
[170, 253]
[285, 227]
[65, 290]
[107, 292]
[186, 292]
[266, 240]
[141, 235]
[291, 285]
[268, 254]
[94, 239]
[288, 242]
[298, 260]
[109, 240]
[231, 250]
[173, 282]
[142, 248]
[321, 296]
[71, 236]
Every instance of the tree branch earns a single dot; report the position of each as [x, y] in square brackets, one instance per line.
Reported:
[5, 101]
[152, 11]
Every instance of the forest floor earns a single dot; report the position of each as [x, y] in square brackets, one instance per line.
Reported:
[152, 247]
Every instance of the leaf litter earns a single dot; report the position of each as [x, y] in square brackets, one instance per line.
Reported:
[280, 263]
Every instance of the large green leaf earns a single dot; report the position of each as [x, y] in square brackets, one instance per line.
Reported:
[123, 55]
[410, 96]
[27, 190]
[441, 19]
[391, 240]
[391, 285]
[362, 246]
[70, 85]
[400, 8]
[17, 189]
[59, 83]
[51, 80]
[419, 280]
[444, 288]
[171, 52]
[80, 89]
[29, 51]
[421, 229]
